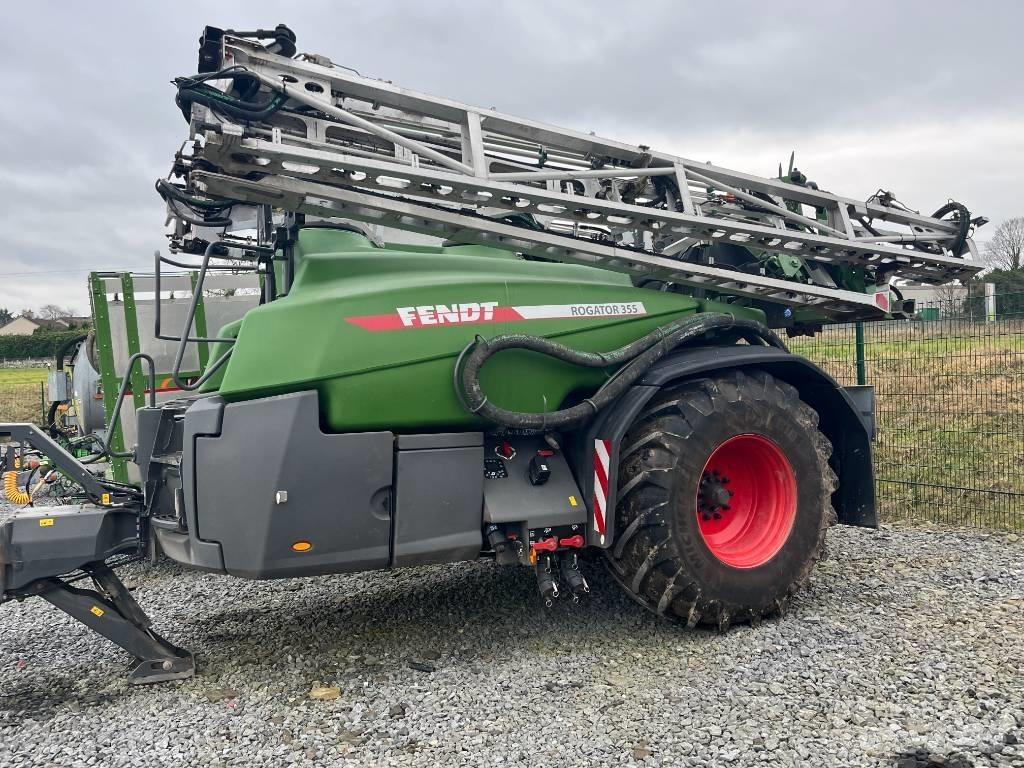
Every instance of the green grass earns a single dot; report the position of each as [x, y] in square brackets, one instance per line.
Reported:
[19, 394]
[950, 416]
[22, 375]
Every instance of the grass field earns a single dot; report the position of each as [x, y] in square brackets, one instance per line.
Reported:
[22, 375]
[19, 393]
[950, 416]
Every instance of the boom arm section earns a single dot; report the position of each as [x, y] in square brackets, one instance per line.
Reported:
[300, 134]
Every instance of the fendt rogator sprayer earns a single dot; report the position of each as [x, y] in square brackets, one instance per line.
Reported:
[579, 352]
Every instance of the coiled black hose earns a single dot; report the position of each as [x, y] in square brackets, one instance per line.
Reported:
[634, 358]
[963, 221]
[195, 89]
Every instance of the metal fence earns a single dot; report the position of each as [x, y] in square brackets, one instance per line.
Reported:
[949, 389]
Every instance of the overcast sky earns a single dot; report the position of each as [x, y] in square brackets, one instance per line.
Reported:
[923, 98]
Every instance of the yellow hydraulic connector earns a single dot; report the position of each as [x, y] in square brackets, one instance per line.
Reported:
[11, 490]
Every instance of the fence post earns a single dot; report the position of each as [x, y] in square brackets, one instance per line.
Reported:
[862, 377]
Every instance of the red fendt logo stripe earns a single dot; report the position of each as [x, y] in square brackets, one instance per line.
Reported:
[477, 312]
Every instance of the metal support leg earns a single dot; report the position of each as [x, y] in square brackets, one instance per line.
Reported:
[119, 618]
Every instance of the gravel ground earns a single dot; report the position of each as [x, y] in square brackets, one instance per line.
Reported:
[907, 650]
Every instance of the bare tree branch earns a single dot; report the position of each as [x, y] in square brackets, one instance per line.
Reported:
[1006, 248]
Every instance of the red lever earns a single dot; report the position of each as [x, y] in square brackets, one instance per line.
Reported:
[576, 542]
[549, 545]
[507, 450]
[545, 452]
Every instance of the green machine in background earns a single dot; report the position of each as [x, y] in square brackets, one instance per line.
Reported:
[123, 310]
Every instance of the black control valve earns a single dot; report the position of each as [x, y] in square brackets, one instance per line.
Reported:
[540, 470]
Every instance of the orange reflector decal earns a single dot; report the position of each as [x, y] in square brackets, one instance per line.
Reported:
[302, 546]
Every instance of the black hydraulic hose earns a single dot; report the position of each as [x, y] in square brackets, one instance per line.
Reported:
[284, 39]
[65, 348]
[963, 219]
[634, 358]
[190, 91]
[167, 189]
[51, 420]
[51, 413]
[28, 484]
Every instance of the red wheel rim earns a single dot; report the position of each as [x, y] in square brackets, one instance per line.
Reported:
[746, 501]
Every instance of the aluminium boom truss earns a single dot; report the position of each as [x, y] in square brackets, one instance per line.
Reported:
[329, 142]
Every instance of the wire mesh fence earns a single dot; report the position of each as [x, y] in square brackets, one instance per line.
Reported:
[949, 388]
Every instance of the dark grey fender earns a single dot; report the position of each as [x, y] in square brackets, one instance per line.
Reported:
[846, 425]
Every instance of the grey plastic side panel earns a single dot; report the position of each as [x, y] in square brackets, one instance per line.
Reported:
[203, 417]
[438, 504]
[337, 486]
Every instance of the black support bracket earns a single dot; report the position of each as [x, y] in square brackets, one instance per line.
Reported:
[111, 611]
[97, 491]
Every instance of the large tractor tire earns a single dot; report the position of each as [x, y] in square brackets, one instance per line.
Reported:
[724, 500]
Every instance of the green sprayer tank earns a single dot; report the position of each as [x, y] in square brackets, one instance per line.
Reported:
[377, 331]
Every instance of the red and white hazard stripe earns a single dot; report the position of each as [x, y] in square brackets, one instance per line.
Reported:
[602, 465]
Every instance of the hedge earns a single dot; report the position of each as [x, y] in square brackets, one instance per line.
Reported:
[39, 344]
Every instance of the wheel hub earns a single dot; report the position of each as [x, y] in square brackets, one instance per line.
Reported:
[713, 496]
[746, 501]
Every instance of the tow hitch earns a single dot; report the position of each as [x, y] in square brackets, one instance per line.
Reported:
[45, 550]
[110, 610]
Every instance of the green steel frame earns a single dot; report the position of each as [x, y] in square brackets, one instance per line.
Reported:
[110, 380]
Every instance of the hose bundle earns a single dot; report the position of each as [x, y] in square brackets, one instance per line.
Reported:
[237, 108]
[200, 211]
[11, 490]
[634, 358]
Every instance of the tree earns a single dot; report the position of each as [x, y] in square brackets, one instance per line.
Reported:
[5, 316]
[1006, 248]
[950, 298]
[53, 312]
[27, 313]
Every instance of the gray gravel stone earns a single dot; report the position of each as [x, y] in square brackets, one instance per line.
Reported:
[909, 643]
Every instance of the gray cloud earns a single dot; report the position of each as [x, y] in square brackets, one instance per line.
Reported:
[923, 97]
